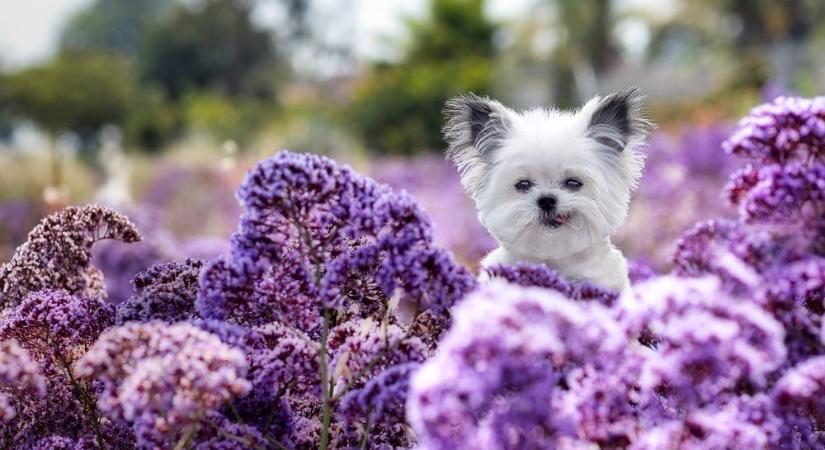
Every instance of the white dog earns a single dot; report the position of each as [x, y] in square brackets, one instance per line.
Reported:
[552, 186]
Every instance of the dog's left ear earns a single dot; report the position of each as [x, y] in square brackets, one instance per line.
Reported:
[617, 120]
[474, 130]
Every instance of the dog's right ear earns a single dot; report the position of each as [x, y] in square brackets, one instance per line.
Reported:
[474, 131]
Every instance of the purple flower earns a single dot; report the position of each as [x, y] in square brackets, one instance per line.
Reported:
[64, 443]
[740, 257]
[793, 193]
[708, 344]
[382, 403]
[736, 426]
[639, 271]
[372, 348]
[492, 382]
[435, 185]
[57, 325]
[165, 292]
[286, 362]
[786, 129]
[604, 404]
[162, 378]
[18, 372]
[219, 433]
[324, 223]
[539, 275]
[329, 269]
[383, 397]
[740, 182]
[799, 398]
[57, 253]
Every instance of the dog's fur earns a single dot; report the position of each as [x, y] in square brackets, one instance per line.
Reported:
[551, 219]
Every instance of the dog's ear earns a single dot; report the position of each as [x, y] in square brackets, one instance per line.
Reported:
[474, 130]
[617, 120]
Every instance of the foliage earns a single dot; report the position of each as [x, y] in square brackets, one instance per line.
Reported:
[78, 92]
[111, 26]
[397, 108]
[210, 45]
[152, 121]
[224, 117]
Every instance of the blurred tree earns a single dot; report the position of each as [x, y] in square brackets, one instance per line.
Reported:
[397, 107]
[211, 44]
[114, 26]
[78, 93]
[762, 38]
[152, 120]
[6, 115]
[452, 29]
[224, 118]
[585, 46]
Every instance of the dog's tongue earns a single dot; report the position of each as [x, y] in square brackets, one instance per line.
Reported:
[560, 219]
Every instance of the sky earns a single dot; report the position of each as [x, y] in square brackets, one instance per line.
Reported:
[29, 29]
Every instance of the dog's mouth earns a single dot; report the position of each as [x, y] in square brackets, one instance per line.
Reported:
[555, 220]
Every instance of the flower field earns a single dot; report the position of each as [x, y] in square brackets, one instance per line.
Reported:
[345, 311]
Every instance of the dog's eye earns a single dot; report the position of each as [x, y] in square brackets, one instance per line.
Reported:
[572, 184]
[524, 185]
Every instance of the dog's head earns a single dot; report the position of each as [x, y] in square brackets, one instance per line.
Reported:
[546, 182]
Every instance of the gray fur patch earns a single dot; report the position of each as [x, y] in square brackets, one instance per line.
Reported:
[475, 127]
[618, 119]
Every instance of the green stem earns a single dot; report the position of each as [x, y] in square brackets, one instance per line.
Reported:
[89, 404]
[365, 439]
[188, 434]
[326, 412]
[370, 365]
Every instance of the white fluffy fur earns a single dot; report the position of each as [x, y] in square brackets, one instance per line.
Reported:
[548, 146]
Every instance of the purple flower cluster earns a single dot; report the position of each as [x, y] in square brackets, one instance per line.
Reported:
[163, 378]
[775, 251]
[497, 380]
[800, 399]
[539, 275]
[529, 368]
[435, 185]
[708, 344]
[56, 328]
[17, 372]
[57, 253]
[305, 335]
[789, 128]
[340, 277]
[165, 292]
[56, 324]
[781, 194]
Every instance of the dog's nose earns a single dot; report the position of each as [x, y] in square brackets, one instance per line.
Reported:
[547, 203]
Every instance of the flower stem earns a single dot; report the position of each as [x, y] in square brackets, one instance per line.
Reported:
[89, 403]
[325, 384]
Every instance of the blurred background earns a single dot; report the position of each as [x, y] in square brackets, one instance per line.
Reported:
[157, 107]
